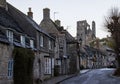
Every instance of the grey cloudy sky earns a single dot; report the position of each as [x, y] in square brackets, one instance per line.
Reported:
[70, 11]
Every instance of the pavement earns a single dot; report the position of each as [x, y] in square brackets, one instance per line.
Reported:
[56, 80]
[59, 79]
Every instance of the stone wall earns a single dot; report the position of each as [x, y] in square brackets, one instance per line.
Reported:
[39, 67]
[5, 55]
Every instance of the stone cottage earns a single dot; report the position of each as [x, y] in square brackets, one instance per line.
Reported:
[56, 30]
[20, 30]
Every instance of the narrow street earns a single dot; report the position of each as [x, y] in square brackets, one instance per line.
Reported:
[96, 76]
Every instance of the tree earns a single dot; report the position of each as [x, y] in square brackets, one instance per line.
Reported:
[112, 23]
[110, 43]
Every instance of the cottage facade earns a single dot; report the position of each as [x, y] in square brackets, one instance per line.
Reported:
[20, 30]
[61, 38]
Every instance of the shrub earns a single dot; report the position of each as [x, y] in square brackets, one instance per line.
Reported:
[23, 66]
[117, 72]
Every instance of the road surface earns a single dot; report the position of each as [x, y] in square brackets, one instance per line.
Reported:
[96, 76]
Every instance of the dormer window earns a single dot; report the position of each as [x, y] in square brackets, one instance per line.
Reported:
[31, 43]
[50, 44]
[22, 40]
[10, 35]
[41, 41]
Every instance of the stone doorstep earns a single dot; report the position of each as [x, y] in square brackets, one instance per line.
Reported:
[5, 78]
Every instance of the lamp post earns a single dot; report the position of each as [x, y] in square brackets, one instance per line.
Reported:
[79, 43]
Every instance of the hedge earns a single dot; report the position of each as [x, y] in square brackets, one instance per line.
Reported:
[23, 66]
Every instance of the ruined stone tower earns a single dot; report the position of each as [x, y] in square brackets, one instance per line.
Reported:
[85, 33]
[82, 31]
[94, 28]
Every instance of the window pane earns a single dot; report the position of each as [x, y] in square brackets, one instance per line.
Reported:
[23, 40]
[47, 65]
[31, 43]
[50, 44]
[9, 35]
[10, 68]
[41, 41]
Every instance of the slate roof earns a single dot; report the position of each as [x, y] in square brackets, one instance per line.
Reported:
[26, 22]
[3, 37]
[57, 27]
[49, 26]
[7, 21]
[88, 50]
[69, 37]
[18, 21]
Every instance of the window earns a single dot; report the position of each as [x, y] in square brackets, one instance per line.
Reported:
[47, 65]
[83, 24]
[41, 41]
[50, 44]
[10, 36]
[53, 63]
[23, 40]
[79, 24]
[31, 43]
[10, 68]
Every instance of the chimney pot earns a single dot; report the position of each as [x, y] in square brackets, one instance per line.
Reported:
[3, 4]
[58, 23]
[30, 13]
[29, 9]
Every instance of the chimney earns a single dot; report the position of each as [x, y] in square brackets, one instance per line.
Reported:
[3, 4]
[58, 23]
[30, 13]
[46, 13]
